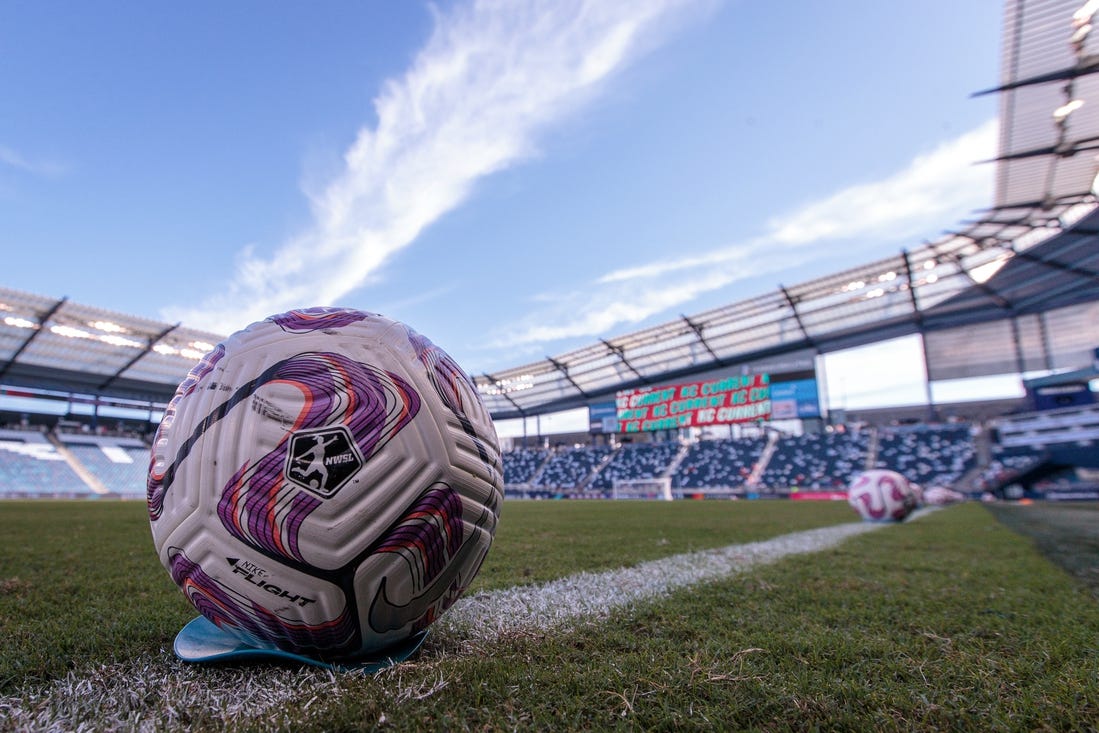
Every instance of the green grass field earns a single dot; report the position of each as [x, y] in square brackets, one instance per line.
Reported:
[952, 621]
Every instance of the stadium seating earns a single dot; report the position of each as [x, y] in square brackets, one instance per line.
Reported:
[1051, 427]
[637, 461]
[120, 465]
[570, 469]
[521, 464]
[928, 455]
[816, 461]
[723, 463]
[36, 464]
[31, 466]
[1006, 463]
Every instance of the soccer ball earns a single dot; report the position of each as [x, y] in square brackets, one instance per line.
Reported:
[941, 496]
[881, 495]
[325, 482]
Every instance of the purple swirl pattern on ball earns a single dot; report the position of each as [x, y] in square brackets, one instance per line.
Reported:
[155, 487]
[429, 534]
[255, 624]
[319, 318]
[258, 506]
[439, 560]
[199, 371]
[446, 376]
[455, 390]
[272, 512]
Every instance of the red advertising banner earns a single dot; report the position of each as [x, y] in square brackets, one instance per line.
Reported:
[819, 496]
[715, 402]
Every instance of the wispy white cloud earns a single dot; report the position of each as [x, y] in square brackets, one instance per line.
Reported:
[933, 188]
[43, 168]
[491, 77]
[928, 194]
[393, 308]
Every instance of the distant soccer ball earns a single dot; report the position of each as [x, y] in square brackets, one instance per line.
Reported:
[941, 495]
[881, 495]
[325, 482]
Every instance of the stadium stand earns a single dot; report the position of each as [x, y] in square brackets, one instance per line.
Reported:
[928, 455]
[521, 464]
[635, 461]
[1074, 425]
[816, 461]
[1007, 463]
[721, 464]
[1048, 454]
[32, 466]
[571, 469]
[119, 465]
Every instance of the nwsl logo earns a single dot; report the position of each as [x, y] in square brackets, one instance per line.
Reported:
[323, 461]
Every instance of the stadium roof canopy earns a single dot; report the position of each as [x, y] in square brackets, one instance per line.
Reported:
[961, 292]
[56, 345]
[1014, 289]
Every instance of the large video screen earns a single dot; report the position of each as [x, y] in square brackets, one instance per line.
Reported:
[722, 401]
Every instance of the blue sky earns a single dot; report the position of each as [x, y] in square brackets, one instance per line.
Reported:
[513, 179]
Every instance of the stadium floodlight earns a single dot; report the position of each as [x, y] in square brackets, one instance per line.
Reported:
[17, 322]
[165, 350]
[1061, 113]
[107, 326]
[1075, 213]
[508, 385]
[983, 273]
[1085, 13]
[70, 332]
[116, 340]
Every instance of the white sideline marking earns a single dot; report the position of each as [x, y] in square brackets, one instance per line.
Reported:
[559, 603]
[162, 693]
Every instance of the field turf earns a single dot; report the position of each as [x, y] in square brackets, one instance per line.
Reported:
[1065, 532]
[952, 621]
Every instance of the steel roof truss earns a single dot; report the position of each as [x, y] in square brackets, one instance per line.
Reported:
[42, 321]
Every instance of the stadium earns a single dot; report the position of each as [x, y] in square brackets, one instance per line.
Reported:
[587, 613]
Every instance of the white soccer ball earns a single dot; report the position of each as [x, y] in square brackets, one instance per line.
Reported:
[881, 495]
[325, 482]
[941, 496]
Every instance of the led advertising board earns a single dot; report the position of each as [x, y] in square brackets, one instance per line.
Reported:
[603, 417]
[794, 399]
[720, 401]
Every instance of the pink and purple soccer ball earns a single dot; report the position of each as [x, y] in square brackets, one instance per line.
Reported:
[325, 482]
[882, 495]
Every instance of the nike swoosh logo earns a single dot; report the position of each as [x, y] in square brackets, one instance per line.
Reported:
[388, 616]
